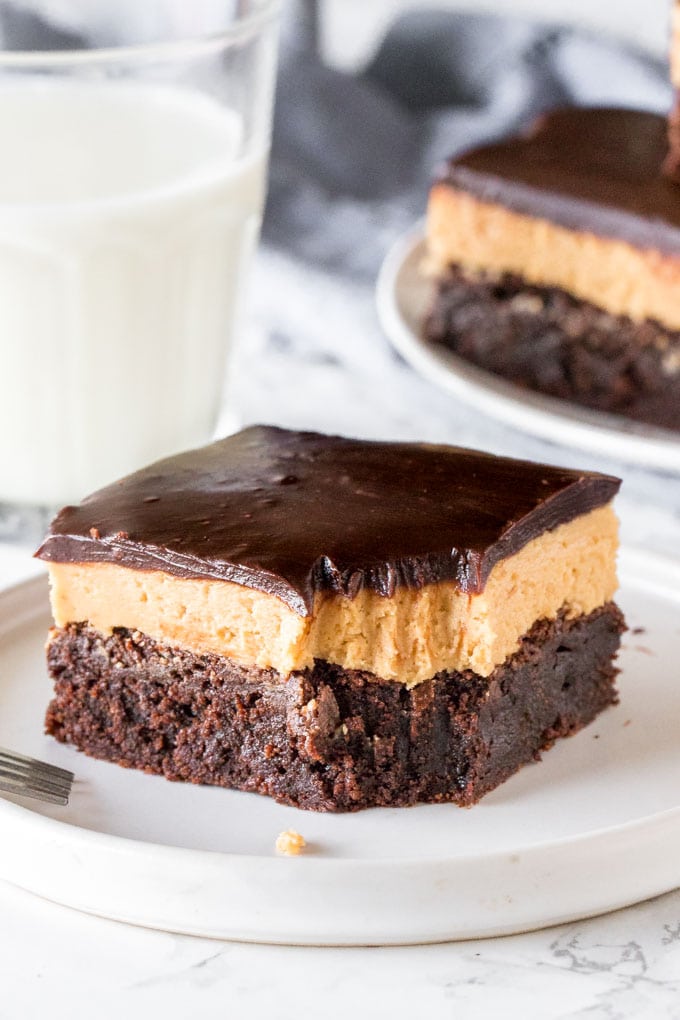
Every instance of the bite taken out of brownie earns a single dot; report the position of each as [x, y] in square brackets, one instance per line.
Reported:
[334, 623]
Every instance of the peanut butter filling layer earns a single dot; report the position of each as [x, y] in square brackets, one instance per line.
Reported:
[407, 638]
[611, 274]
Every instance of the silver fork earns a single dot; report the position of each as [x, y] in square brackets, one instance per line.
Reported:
[28, 777]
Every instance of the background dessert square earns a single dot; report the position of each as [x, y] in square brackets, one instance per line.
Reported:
[557, 260]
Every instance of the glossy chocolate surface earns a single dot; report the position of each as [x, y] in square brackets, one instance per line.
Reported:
[293, 513]
[594, 170]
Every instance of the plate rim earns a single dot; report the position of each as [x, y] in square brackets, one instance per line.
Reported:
[546, 418]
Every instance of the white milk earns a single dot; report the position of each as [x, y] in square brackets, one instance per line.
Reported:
[125, 222]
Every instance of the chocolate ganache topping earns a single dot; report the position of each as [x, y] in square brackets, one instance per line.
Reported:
[593, 170]
[295, 513]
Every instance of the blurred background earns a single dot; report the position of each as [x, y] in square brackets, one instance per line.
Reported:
[372, 96]
[352, 28]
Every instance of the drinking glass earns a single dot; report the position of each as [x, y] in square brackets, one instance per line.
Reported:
[132, 183]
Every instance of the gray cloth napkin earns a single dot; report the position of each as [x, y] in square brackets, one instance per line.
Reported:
[353, 155]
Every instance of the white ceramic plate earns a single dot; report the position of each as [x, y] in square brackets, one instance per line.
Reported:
[403, 298]
[594, 826]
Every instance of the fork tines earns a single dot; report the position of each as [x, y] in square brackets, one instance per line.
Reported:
[28, 777]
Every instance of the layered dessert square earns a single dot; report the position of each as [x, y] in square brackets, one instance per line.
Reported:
[556, 256]
[334, 623]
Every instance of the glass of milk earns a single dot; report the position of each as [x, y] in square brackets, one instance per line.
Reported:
[132, 182]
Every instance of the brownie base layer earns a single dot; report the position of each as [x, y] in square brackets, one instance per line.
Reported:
[544, 339]
[328, 739]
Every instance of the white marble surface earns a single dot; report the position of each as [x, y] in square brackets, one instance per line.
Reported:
[63, 965]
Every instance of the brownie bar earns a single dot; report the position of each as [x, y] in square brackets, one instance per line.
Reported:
[329, 739]
[545, 339]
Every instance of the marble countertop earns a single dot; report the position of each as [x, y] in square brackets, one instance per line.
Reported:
[68, 966]
[323, 363]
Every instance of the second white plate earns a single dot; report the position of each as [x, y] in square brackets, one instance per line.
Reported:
[403, 297]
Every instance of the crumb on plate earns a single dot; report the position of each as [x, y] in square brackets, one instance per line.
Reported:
[290, 843]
